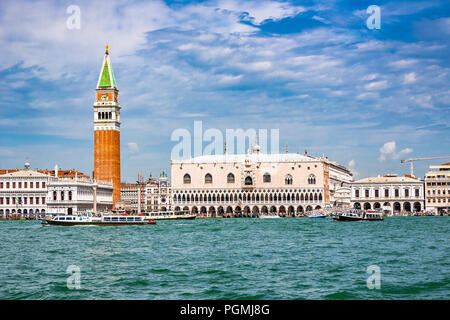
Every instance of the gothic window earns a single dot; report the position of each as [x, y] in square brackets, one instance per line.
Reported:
[230, 178]
[248, 181]
[187, 179]
[208, 178]
[266, 177]
[288, 179]
[312, 179]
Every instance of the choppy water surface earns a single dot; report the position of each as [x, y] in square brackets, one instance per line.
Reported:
[228, 259]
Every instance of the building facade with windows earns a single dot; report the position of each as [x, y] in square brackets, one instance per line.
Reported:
[437, 189]
[253, 183]
[156, 195]
[390, 192]
[23, 192]
[69, 195]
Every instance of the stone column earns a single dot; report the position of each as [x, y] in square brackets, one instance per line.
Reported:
[94, 188]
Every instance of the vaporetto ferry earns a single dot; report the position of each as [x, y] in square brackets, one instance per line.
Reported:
[103, 220]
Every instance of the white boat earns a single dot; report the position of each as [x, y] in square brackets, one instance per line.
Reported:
[170, 215]
[317, 215]
[270, 216]
[90, 219]
[371, 215]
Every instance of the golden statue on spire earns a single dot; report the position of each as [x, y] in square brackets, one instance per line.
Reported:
[107, 48]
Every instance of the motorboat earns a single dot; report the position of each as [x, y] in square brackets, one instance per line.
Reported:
[348, 216]
[317, 215]
[371, 215]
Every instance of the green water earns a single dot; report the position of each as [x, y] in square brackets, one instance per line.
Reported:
[228, 259]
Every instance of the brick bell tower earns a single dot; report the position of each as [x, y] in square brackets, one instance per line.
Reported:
[107, 129]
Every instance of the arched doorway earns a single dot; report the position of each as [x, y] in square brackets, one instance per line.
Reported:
[376, 205]
[195, 210]
[69, 211]
[308, 208]
[367, 206]
[212, 212]
[273, 209]
[220, 211]
[265, 210]
[407, 207]
[177, 208]
[299, 209]
[417, 206]
[255, 211]
[318, 207]
[397, 206]
[357, 206]
[203, 210]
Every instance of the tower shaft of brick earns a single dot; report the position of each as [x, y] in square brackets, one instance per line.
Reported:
[107, 129]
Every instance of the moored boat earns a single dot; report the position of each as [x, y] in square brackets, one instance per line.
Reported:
[269, 216]
[170, 215]
[317, 215]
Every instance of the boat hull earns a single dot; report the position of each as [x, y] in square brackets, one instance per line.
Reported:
[96, 223]
[191, 217]
[343, 218]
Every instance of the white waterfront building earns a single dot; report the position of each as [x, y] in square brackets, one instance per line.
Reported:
[255, 183]
[390, 192]
[69, 195]
[23, 192]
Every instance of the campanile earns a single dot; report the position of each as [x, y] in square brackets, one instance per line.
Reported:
[107, 128]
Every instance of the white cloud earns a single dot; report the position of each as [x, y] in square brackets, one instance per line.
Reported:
[389, 149]
[409, 78]
[259, 11]
[133, 147]
[351, 163]
[376, 85]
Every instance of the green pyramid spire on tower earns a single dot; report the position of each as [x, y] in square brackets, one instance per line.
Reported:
[107, 79]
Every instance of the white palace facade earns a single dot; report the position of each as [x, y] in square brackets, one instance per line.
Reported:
[255, 183]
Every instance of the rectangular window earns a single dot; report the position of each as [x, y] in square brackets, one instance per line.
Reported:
[37, 200]
[7, 185]
[367, 193]
[31, 200]
[7, 200]
[31, 185]
[25, 200]
[43, 200]
[376, 193]
[386, 193]
[25, 185]
[20, 185]
[417, 192]
[1, 200]
[14, 185]
[1, 185]
[37, 184]
[397, 193]
[406, 192]
[43, 184]
[356, 193]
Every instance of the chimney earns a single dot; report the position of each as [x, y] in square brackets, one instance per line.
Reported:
[56, 170]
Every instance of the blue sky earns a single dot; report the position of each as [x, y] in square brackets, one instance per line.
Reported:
[364, 98]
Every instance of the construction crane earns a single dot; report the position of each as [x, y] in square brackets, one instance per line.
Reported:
[418, 159]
